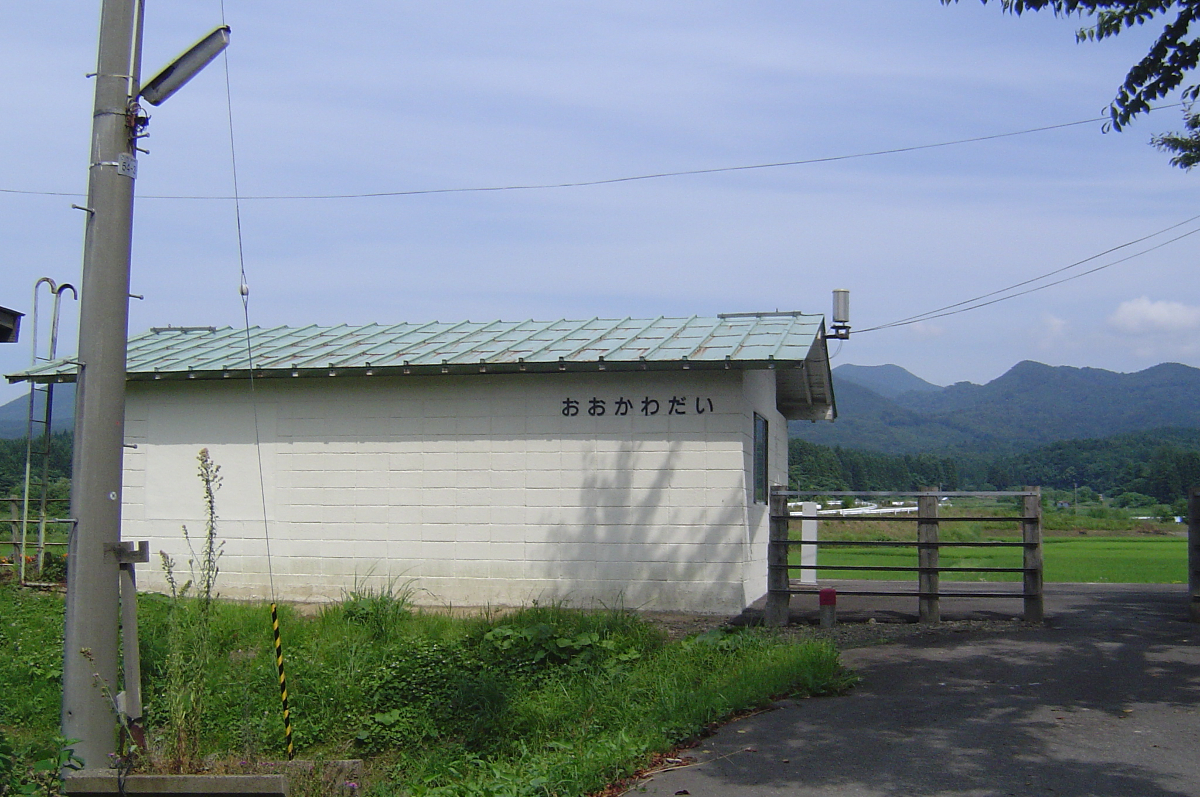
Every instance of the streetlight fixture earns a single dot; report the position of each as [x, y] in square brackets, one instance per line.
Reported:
[175, 74]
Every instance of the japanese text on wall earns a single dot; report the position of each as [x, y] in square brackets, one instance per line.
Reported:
[644, 406]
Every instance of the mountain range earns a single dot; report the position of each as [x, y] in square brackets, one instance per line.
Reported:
[885, 408]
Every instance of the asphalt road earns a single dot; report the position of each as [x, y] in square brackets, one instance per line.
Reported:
[1104, 700]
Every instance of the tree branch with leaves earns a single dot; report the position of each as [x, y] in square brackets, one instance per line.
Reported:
[1163, 69]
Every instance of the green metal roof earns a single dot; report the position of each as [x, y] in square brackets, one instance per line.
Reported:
[762, 340]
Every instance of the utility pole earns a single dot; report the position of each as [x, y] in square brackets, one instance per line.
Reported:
[90, 647]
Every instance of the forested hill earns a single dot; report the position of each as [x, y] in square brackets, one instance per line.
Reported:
[886, 380]
[12, 464]
[1029, 406]
[1158, 465]
[14, 415]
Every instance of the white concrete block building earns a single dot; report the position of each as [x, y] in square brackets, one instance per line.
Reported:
[603, 461]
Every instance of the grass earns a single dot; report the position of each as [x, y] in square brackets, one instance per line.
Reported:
[31, 628]
[541, 701]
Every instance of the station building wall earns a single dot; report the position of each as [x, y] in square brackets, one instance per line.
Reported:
[618, 488]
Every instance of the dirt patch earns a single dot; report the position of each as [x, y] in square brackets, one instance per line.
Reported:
[678, 625]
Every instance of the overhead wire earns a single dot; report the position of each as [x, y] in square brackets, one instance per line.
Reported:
[662, 175]
[607, 180]
[941, 312]
[1040, 287]
[244, 292]
[977, 301]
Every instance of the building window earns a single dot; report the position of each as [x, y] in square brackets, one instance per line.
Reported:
[760, 459]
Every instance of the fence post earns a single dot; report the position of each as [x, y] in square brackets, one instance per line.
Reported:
[808, 534]
[1194, 554]
[1031, 535]
[927, 556]
[778, 583]
[14, 524]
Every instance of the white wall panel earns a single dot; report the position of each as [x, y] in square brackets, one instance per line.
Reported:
[478, 488]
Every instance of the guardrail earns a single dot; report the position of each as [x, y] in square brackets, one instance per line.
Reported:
[928, 569]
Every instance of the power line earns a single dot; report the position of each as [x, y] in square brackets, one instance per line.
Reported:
[977, 302]
[609, 180]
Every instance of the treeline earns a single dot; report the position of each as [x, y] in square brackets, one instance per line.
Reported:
[12, 462]
[817, 467]
[1162, 465]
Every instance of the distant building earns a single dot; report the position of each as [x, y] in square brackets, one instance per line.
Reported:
[489, 463]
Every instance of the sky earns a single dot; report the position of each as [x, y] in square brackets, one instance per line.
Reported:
[376, 96]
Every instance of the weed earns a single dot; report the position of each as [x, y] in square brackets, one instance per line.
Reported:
[34, 771]
[189, 638]
[54, 567]
[379, 609]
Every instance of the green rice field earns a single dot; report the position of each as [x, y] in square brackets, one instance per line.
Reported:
[1141, 560]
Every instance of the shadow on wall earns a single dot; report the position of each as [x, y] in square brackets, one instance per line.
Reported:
[641, 542]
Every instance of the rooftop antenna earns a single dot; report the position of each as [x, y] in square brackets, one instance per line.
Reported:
[841, 315]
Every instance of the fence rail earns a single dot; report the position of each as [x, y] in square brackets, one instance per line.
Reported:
[23, 526]
[927, 545]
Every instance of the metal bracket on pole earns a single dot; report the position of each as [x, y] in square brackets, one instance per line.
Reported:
[129, 553]
[129, 700]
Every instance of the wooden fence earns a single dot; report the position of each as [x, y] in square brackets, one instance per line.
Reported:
[928, 569]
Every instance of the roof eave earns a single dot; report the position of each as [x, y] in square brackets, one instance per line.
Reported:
[804, 391]
[447, 368]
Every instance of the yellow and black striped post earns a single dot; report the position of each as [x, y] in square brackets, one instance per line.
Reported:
[287, 716]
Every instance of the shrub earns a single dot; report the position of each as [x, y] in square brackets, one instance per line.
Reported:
[54, 567]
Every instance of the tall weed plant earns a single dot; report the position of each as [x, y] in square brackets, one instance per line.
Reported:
[189, 639]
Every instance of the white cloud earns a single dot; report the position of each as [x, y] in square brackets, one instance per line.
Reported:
[1142, 316]
[1053, 325]
[1051, 335]
[923, 330]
